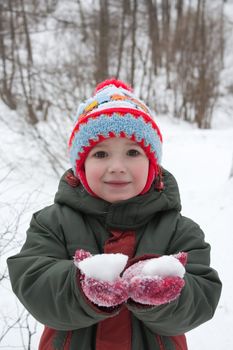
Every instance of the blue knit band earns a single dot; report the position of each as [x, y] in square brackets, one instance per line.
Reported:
[116, 124]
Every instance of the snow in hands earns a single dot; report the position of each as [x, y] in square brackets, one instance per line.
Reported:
[103, 267]
[100, 277]
[154, 281]
[164, 266]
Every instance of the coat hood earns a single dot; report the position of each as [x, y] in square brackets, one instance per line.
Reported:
[128, 214]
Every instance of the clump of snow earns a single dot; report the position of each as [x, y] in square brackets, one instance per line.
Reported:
[163, 267]
[104, 267]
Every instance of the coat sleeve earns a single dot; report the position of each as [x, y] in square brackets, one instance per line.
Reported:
[200, 296]
[45, 279]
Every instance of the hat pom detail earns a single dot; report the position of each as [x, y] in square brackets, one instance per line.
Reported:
[115, 82]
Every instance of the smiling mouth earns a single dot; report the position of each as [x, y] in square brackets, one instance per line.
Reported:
[117, 183]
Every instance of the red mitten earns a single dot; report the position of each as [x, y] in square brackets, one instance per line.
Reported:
[100, 277]
[156, 281]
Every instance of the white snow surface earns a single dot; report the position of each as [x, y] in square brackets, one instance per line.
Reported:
[200, 160]
[103, 267]
[164, 266]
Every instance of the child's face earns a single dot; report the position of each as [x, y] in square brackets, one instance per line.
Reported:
[116, 169]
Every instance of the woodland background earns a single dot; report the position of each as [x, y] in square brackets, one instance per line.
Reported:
[178, 57]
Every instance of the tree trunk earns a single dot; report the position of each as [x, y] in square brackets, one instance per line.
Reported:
[104, 44]
[154, 33]
[166, 17]
[133, 47]
[122, 36]
[8, 74]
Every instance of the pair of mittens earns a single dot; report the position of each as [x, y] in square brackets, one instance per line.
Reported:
[153, 281]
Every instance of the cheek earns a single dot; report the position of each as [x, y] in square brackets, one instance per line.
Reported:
[145, 173]
[141, 172]
[92, 172]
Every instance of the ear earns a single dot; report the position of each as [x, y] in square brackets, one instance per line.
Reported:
[71, 179]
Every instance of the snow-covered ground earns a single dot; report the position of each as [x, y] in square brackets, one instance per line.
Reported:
[201, 162]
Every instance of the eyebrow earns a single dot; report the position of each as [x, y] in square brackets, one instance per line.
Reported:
[132, 144]
[101, 145]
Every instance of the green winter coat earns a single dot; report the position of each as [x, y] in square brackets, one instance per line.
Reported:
[44, 277]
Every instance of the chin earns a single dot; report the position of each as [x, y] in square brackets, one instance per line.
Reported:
[117, 199]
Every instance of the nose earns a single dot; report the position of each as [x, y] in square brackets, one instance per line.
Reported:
[117, 165]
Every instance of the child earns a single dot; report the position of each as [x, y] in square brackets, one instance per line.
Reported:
[112, 264]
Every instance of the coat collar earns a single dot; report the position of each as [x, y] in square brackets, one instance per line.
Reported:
[125, 215]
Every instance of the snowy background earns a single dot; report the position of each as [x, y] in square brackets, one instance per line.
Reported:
[201, 161]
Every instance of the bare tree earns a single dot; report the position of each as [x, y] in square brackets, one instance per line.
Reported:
[7, 57]
[125, 11]
[103, 42]
[133, 44]
[181, 39]
[154, 34]
[166, 36]
[198, 65]
[20, 324]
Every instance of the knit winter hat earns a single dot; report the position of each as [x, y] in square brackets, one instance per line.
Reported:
[114, 111]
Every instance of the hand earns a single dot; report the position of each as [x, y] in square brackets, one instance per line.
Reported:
[156, 281]
[100, 277]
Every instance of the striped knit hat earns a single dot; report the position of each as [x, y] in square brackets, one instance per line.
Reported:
[114, 111]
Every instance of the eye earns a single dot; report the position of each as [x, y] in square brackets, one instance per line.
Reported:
[133, 153]
[100, 154]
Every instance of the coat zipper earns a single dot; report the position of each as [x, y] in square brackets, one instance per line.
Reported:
[160, 342]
